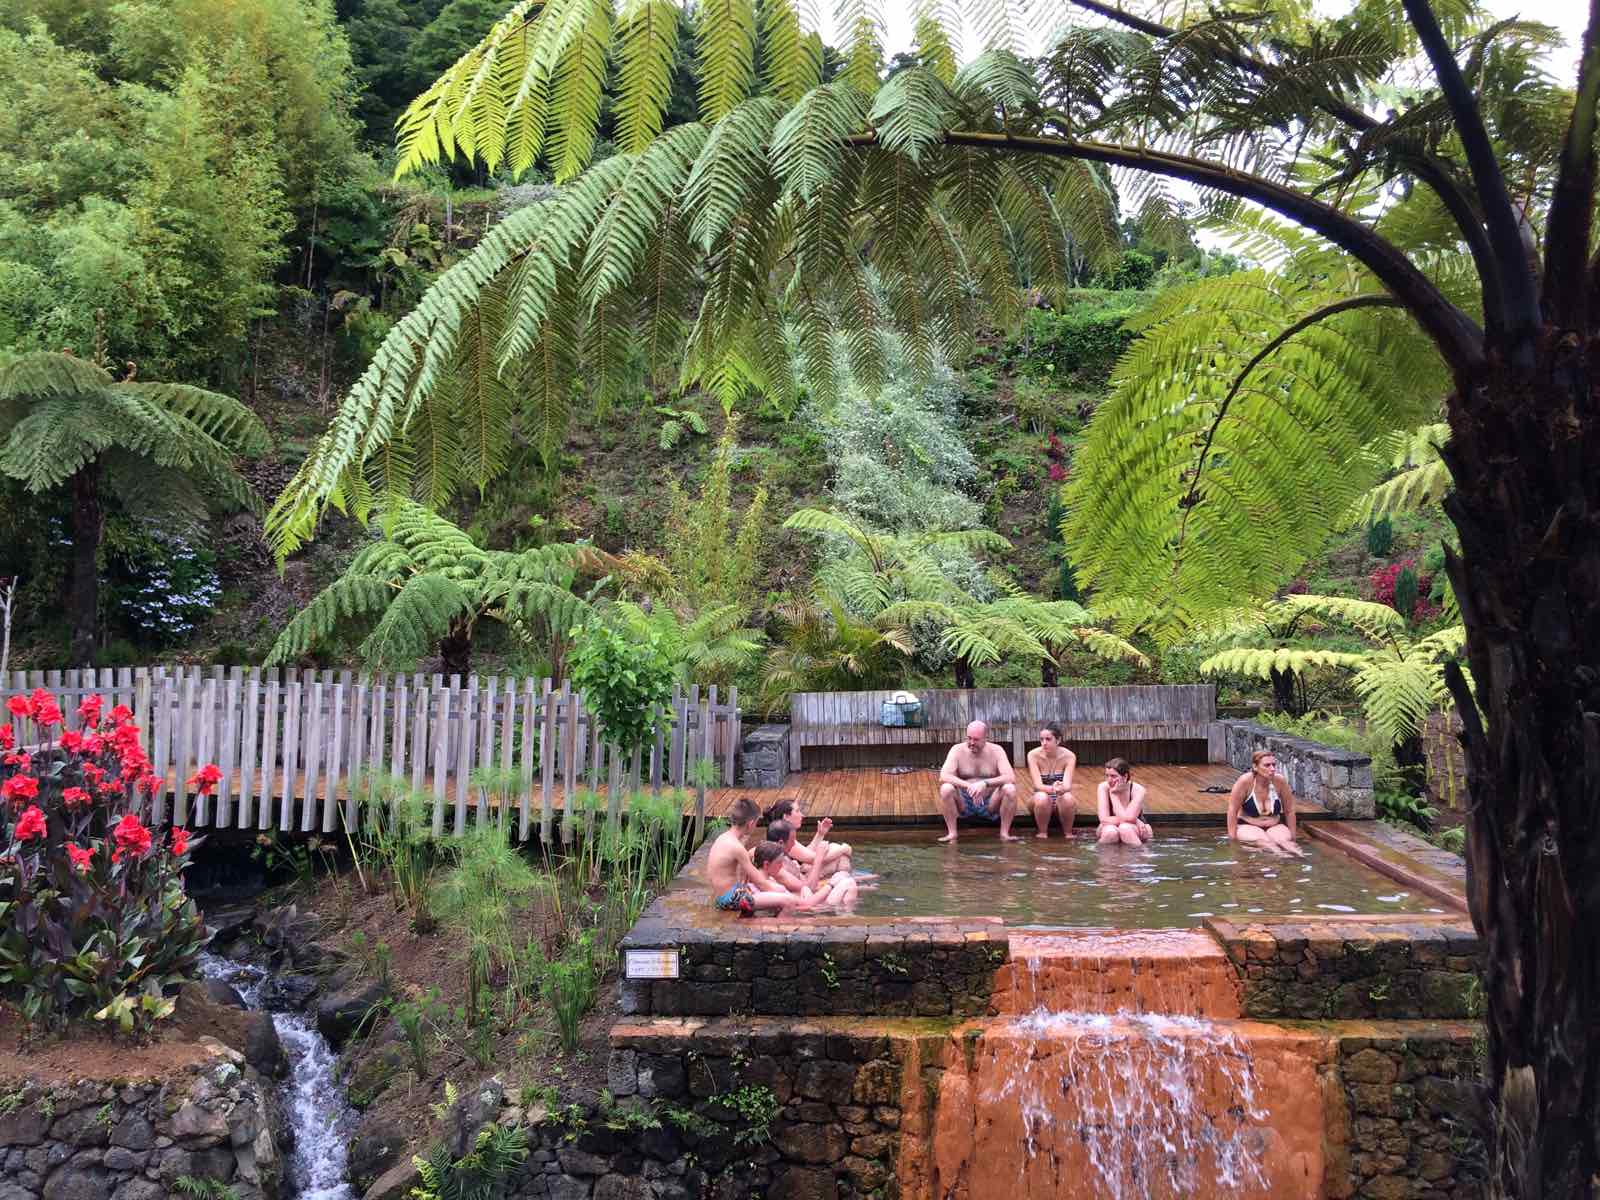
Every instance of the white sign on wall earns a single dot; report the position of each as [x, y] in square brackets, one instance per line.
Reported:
[650, 964]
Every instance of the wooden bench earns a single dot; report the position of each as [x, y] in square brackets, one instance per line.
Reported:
[1158, 723]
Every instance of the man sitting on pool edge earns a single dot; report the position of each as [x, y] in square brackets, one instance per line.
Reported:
[977, 782]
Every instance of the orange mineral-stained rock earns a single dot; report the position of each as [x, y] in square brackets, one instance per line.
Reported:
[1180, 972]
[1066, 1105]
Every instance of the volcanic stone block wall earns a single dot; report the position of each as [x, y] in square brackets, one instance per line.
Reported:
[1416, 1115]
[1396, 970]
[918, 967]
[783, 1110]
[135, 1140]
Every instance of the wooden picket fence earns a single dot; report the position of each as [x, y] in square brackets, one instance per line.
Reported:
[288, 738]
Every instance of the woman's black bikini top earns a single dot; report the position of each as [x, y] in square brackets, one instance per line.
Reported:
[1274, 803]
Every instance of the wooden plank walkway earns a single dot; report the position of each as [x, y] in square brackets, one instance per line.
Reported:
[865, 796]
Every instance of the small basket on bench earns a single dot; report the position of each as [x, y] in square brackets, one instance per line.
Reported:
[902, 711]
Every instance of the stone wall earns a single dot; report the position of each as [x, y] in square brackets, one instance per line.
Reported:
[926, 967]
[132, 1140]
[1339, 780]
[1416, 1114]
[1341, 970]
[764, 757]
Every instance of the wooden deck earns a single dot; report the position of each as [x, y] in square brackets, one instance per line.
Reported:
[868, 796]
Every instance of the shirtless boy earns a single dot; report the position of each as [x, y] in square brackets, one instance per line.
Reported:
[736, 886]
[977, 781]
[836, 855]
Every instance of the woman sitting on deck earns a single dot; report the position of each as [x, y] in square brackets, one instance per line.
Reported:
[1121, 804]
[1261, 807]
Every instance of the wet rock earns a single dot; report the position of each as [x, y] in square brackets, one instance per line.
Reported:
[222, 992]
[262, 1048]
[197, 1125]
[133, 1132]
[226, 924]
[379, 1144]
[341, 1014]
[622, 1187]
[395, 1183]
[24, 1127]
[287, 993]
[798, 1183]
[139, 1189]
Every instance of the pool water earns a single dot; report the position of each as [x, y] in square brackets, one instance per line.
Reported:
[1175, 880]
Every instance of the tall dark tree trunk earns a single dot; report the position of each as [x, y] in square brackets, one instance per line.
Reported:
[1284, 696]
[455, 650]
[1525, 456]
[1048, 675]
[963, 673]
[83, 605]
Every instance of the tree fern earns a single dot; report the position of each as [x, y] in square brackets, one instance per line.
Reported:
[427, 582]
[167, 451]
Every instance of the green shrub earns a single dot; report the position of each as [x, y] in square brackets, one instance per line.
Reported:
[1404, 808]
[1405, 592]
[1380, 537]
[1081, 342]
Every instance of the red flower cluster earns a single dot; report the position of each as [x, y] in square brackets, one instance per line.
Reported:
[76, 797]
[19, 788]
[180, 841]
[30, 824]
[89, 712]
[80, 857]
[131, 837]
[8, 738]
[1056, 453]
[205, 780]
[41, 708]
[1382, 582]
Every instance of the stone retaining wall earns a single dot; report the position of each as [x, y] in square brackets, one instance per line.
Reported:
[134, 1140]
[1416, 1114]
[926, 967]
[1339, 780]
[764, 757]
[1342, 970]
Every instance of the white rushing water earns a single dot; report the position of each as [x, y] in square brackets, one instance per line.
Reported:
[1132, 1078]
[320, 1119]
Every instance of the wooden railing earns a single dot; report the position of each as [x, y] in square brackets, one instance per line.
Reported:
[283, 737]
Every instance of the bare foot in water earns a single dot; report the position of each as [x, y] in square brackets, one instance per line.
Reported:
[1042, 836]
[1008, 837]
[949, 837]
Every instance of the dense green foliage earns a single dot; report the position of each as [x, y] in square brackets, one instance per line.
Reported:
[626, 680]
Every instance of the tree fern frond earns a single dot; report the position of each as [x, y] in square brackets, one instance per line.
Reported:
[1109, 646]
[1377, 621]
[725, 34]
[1262, 662]
[791, 57]
[351, 595]
[420, 614]
[647, 40]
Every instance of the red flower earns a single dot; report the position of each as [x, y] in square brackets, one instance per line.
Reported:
[93, 773]
[125, 738]
[1058, 473]
[45, 709]
[8, 739]
[79, 856]
[93, 743]
[180, 842]
[20, 759]
[19, 706]
[75, 797]
[72, 742]
[206, 779]
[89, 711]
[30, 824]
[120, 715]
[131, 837]
[150, 784]
[19, 788]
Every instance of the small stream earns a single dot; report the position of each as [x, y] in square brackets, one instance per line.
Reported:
[320, 1119]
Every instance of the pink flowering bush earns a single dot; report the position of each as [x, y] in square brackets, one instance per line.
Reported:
[93, 913]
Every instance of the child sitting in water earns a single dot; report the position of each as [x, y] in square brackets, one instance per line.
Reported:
[768, 861]
[841, 885]
[737, 886]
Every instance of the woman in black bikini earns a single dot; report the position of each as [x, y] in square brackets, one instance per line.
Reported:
[1051, 765]
[1261, 807]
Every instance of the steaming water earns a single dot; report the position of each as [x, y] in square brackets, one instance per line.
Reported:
[321, 1120]
[1133, 1079]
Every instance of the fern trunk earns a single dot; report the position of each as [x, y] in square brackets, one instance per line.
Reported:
[455, 650]
[1284, 697]
[88, 522]
[1525, 456]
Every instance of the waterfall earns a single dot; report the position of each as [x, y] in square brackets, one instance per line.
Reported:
[314, 1097]
[1118, 1068]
